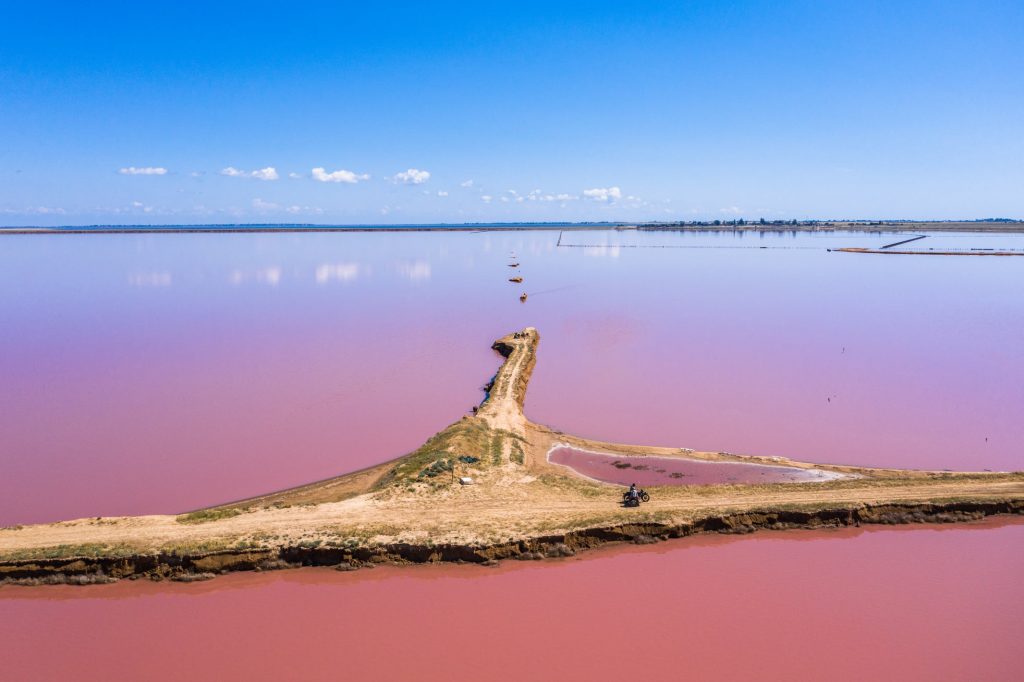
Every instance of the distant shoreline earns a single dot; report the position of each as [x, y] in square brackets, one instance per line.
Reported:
[229, 229]
[987, 226]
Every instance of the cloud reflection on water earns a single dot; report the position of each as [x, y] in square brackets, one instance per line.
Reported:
[150, 279]
[415, 271]
[269, 275]
[603, 251]
[341, 272]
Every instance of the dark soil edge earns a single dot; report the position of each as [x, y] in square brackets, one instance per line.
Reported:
[200, 566]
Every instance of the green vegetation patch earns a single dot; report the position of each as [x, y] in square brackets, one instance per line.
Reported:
[464, 441]
[579, 486]
[436, 468]
[470, 440]
[90, 550]
[207, 515]
[517, 453]
[497, 448]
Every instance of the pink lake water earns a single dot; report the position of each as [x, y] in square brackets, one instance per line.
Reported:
[161, 373]
[936, 604]
[651, 471]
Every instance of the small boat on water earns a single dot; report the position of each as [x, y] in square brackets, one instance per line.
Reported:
[522, 297]
[517, 280]
[513, 265]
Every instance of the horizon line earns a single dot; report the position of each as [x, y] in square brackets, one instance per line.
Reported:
[734, 222]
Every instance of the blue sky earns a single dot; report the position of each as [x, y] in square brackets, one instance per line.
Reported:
[430, 112]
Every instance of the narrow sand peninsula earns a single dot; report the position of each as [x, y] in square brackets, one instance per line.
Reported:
[940, 252]
[519, 505]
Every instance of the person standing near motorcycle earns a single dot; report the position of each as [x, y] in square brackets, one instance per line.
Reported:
[634, 496]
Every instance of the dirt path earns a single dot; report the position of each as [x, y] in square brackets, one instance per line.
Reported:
[504, 406]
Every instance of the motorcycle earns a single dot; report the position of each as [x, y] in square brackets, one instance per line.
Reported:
[629, 501]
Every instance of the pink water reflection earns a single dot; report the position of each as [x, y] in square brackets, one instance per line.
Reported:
[936, 603]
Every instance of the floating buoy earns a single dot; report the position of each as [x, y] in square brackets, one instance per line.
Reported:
[522, 298]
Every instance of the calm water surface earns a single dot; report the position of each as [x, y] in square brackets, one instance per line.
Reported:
[936, 604]
[160, 373]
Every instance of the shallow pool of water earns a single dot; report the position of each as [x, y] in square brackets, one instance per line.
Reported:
[652, 471]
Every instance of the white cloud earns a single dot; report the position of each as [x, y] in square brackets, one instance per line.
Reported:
[341, 175]
[466, 183]
[731, 210]
[265, 206]
[144, 170]
[603, 194]
[197, 174]
[268, 173]
[415, 271]
[442, 193]
[34, 210]
[486, 198]
[342, 272]
[537, 195]
[261, 205]
[413, 176]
